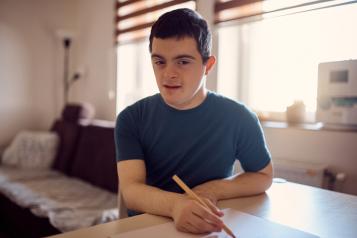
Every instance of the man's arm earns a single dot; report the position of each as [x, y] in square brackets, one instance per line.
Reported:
[189, 215]
[244, 184]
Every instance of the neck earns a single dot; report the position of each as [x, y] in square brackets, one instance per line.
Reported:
[197, 100]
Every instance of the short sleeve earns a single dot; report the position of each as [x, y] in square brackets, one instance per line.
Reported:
[252, 151]
[127, 137]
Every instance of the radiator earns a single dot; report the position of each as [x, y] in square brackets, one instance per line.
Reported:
[300, 172]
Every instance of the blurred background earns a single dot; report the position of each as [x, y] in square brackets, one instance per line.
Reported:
[292, 62]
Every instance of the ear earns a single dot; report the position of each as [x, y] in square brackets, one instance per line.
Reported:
[210, 63]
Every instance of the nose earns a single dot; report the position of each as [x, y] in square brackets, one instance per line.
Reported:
[170, 72]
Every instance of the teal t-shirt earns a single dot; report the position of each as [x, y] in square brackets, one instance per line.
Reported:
[199, 144]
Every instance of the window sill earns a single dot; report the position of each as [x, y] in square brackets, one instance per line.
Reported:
[317, 126]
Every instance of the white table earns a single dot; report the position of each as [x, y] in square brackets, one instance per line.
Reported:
[321, 212]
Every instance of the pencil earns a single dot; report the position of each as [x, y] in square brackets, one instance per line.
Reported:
[198, 199]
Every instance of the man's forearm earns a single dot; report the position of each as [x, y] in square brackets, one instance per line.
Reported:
[244, 184]
[144, 198]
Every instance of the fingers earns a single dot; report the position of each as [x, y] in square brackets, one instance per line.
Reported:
[206, 214]
[203, 225]
[190, 216]
[189, 228]
[213, 207]
[197, 226]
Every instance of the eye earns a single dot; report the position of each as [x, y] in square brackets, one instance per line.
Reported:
[183, 62]
[159, 62]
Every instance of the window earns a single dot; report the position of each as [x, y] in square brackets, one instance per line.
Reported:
[135, 78]
[268, 64]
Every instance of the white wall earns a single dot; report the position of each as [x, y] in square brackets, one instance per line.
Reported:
[31, 60]
[96, 54]
[28, 63]
[336, 149]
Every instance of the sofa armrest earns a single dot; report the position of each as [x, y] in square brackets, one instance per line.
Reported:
[94, 160]
[2, 149]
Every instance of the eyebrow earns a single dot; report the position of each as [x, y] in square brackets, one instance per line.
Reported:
[176, 57]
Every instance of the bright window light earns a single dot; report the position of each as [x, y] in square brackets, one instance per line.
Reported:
[269, 64]
[135, 76]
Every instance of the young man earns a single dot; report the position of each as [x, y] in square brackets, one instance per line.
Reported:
[189, 131]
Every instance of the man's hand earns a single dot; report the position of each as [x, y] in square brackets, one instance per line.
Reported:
[203, 192]
[190, 216]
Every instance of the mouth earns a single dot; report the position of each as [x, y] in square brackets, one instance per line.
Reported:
[172, 87]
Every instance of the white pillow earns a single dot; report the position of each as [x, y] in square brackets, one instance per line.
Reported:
[32, 150]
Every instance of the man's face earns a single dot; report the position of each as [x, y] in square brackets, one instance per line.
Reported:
[179, 71]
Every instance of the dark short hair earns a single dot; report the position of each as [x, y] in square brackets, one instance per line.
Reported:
[181, 23]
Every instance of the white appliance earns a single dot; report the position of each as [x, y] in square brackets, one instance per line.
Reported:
[337, 93]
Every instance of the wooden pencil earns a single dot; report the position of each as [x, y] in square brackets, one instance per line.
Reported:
[198, 199]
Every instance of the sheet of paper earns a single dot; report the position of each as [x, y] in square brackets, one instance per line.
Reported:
[243, 226]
